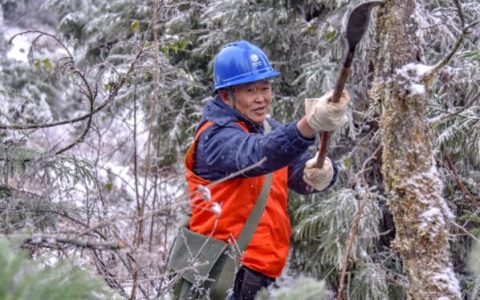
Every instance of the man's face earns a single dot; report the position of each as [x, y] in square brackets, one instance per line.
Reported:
[252, 99]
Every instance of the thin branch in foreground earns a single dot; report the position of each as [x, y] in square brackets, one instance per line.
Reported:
[465, 231]
[149, 214]
[36, 239]
[354, 229]
[466, 193]
[35, 40]
[240, 172]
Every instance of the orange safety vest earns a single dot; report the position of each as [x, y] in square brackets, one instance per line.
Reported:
[268, 249]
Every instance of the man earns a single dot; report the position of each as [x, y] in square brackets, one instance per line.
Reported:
[230, 138]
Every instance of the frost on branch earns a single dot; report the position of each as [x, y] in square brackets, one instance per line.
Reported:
[413, 76]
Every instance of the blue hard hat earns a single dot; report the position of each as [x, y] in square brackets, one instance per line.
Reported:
[241, 62]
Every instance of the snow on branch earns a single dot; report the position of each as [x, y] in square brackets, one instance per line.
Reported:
[419, 76]
[55, 240]
[86, 88]
[429, 76]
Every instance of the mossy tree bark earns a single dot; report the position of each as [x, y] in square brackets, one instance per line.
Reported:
[411, 180]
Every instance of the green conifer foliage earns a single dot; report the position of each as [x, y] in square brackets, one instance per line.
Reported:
[474, 268]
[24, 279]
[298, 288]
[166, 91]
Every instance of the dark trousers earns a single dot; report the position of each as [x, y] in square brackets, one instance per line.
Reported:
[248, 282]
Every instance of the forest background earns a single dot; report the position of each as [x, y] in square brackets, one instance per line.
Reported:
[99, 102]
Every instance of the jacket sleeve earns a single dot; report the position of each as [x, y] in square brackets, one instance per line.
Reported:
[223, 150]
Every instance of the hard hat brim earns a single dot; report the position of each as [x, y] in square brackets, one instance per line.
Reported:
[245, 78]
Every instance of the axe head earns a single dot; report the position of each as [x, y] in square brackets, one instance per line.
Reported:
[358, 22]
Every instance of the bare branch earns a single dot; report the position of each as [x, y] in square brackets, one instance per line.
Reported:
[428, 77]
[352, 235]
[92, 95]
[238, 173]
[153, 100]
[57, 239]
[35, 40]
[178, 199]
[85, 131]
[466, 193]
[59, 123]
[109, 277]
[460, 12]
[464, 230]
[447, 115]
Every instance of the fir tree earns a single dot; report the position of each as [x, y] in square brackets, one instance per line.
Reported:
[21, 278]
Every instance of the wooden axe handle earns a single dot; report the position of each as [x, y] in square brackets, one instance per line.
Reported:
[356, 26]
[325, 135]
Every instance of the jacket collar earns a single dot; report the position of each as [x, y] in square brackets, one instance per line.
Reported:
[221, 114]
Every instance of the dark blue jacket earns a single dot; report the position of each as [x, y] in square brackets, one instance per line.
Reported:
[225, 148]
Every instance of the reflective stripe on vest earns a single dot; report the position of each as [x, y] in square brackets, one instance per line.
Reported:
[268, 249]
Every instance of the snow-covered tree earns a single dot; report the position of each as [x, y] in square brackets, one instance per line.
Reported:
[127, 102]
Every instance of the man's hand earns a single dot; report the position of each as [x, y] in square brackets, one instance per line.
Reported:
[318, 178]
[323, 115]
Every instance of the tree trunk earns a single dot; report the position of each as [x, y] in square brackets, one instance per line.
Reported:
[411, 180]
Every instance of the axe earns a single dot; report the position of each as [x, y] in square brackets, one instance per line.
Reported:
[356, 26]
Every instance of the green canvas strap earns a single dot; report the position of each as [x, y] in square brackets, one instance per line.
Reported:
[256, 214]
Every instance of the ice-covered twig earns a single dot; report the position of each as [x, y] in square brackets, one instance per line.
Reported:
[465, 31]
[59, 239]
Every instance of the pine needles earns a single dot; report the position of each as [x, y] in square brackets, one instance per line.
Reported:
[23, 279]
